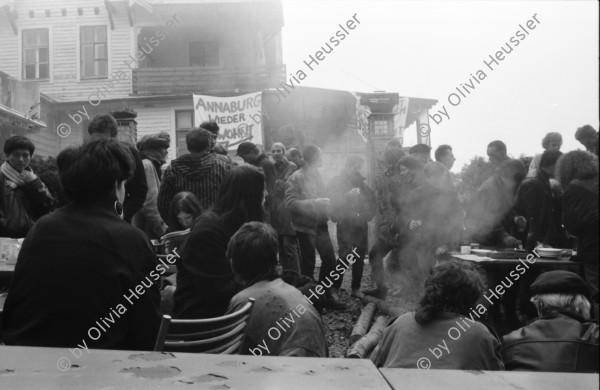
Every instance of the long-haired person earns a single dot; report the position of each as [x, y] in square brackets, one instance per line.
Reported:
[183, 210]
[577, 172]
[444, 331]
[84, 275]
[205, 281]
[23, 196]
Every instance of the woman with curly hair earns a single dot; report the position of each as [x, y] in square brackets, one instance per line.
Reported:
[551, 141]
[443, 332]
[577, 171]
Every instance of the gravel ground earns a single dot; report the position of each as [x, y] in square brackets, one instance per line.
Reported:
[339, 324]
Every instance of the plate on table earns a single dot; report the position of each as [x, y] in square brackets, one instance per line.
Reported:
[549, 253]
[481, 252]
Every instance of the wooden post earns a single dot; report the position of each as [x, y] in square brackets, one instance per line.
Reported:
[382, 306]
[363, 347]
[362, 324]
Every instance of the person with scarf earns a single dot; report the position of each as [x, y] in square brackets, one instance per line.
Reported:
[23, 196]
[154, 150]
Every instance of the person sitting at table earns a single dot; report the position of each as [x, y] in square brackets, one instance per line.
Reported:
[577, 172]
[562, 339]
[443, 332]
[282, 322]
[184, 209]
[205, 281]
[493, 220]
[85, 277]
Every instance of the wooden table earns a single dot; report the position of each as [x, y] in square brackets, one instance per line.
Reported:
[35, 367]
[415, 379]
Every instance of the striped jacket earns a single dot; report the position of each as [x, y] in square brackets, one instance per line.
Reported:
[200, 174]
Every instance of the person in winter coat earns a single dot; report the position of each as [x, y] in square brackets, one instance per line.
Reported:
[23, 196]
[251, 155]
[353, 205]
[199, 172]
[154, 150]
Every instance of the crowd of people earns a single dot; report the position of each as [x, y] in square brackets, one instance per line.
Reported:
[253, 230]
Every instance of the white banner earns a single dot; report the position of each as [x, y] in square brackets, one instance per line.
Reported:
[239, 117]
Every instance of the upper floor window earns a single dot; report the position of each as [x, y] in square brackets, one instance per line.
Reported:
[94, 52]
[36, 54]
[204, 53]
[382, 126]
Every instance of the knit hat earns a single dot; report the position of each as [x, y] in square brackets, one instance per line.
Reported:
[161, 140]
[560, 282]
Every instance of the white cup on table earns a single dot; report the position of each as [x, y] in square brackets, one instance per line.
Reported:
[465, 249]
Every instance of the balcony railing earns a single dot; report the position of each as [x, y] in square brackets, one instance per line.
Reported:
[215, 79]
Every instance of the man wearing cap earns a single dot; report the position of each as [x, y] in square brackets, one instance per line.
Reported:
[251, 155]
[562, 339]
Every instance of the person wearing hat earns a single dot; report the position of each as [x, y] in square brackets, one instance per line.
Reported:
[154, 149]
[251, 155]
[562, 339]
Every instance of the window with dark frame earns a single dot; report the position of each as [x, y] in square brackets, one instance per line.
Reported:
[204, 53]
[184, 122]
[94, 52]
[36, 54]
[382, 126]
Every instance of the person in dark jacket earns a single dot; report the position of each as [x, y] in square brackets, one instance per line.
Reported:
[23, 196]
[430, 337]
[84, 277]
[105, 126]
[205, 281]
[154, 150]
[251, 155]
[199, 172]
[253, 253]
[305, 198]
[577, 172]
[562, 339]
[353, 205]
[280, 216]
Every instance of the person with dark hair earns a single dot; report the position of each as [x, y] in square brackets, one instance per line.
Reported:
[497, 152]
[401, 176]
[588, 137]
[199, 172]
[449, 300]
[551, 141]
[280, 216]
[105, 126]
[219, 150]
[562, 338]
[310, 210]
[493, 219]
[154, 150]
[253, 254]
[295, 156]
[353, 205]
[23, 196]
[205, 281]
[444, 155]
[251, 155]
[183, 211]
[421, 152]
[83, 263]
[577, 172]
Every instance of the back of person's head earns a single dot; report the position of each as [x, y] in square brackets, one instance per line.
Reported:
[441, 152]
[563, 291]
[156, 141]
[242, 192]
[552, 137]
[420, 149]
[584, 133]
[450, 287]
[393, 143]
[88, 174]
[185, 202]
[499, 146]
[198, 140]
[576, 164]
[17, 142]
[105, 125]
[211, 126]
[549, 158]
[512, 169]
[392, 156]
[253, 252]
[247, 147]
[411, 163]
[294, 153]
[311, 153]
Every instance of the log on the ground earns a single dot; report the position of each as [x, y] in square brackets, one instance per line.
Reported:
[362, 324]
[363, 347]
[382, 306]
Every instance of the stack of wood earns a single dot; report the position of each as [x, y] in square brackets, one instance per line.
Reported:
[361, 342]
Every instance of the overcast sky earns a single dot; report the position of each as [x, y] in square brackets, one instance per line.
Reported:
[549, 82]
